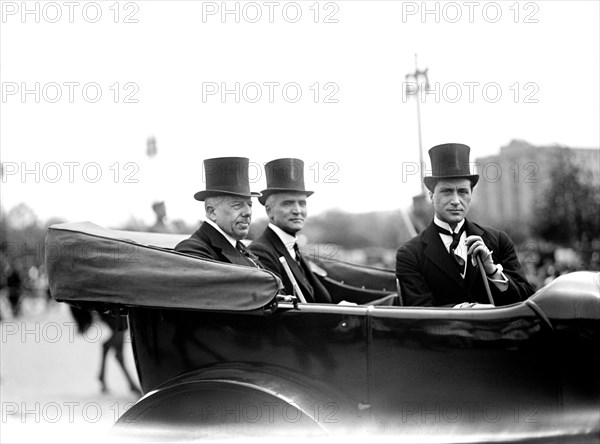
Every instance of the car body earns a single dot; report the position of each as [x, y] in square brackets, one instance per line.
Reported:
[220, 354]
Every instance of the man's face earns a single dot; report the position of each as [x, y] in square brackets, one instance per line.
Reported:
[451, 200]
[287, 211]
[232, 214]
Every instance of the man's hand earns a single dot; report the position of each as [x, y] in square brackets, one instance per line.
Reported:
[473, 305]
[476, 246]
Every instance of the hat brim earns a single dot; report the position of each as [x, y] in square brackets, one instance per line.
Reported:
[266, 193]
[201, 195]
[430, 181]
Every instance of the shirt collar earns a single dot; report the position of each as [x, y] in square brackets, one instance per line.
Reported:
[445, 225]
[287, 239]
[230, 239]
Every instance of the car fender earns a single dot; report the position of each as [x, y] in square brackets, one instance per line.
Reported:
[571, 296]
[240, 399]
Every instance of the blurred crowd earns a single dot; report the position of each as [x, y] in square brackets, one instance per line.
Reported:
[20, 289]
[542, 274]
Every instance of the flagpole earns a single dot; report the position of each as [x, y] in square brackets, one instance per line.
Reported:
[422, 75]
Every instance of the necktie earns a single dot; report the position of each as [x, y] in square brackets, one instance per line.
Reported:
[297, 251]
[460, 262]
[299, 258]
[242, 249]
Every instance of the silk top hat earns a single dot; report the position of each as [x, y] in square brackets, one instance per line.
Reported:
[284, 176]
[449, 161]
[226, 175]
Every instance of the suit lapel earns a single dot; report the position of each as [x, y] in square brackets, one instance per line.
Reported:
[314, 285]
[235, 257]
[473, 272]
[222, 246]
[435, 251]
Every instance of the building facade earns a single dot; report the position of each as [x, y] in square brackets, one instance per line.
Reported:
[512, 182]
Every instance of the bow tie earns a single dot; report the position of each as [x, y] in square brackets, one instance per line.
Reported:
[460, 262]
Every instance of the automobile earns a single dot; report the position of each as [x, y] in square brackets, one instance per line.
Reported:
[221, 354]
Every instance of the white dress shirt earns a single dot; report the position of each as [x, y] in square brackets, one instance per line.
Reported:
[231, 240]
[498, 278]
[287, 239]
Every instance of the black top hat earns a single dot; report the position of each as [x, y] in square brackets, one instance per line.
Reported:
[449, 161]
[226, 175]
[284, 175]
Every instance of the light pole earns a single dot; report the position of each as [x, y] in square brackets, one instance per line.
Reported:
[415, 87]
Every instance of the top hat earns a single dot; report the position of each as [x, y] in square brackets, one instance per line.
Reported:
[284, 175]
[449, 161]
[226, 175]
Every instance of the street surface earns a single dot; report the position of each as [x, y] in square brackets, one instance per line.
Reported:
[49, 388]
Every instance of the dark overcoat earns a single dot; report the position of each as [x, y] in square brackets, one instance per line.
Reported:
[269, 248]
[429, 277]
[208, 243]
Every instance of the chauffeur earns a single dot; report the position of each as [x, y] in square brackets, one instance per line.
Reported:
[438, 266]
[228, 205]
[285, 203]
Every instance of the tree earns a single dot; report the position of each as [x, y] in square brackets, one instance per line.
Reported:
[568, 211]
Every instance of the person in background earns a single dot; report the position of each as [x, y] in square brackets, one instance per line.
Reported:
[15, 285]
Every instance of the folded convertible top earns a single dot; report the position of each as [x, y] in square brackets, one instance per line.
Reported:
[89, 263]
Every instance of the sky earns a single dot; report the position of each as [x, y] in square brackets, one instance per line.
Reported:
[86, 84]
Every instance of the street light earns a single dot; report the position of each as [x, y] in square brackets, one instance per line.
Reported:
[415, 87]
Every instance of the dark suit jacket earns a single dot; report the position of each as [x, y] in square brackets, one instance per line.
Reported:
[208, 243]
[429, 277]
[269, 248]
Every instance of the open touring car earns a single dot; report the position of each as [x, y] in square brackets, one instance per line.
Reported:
[220, 354]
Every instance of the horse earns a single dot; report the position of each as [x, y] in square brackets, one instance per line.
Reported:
[118, 326]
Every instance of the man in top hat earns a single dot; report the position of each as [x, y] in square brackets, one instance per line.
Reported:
[438, 267]
[285, 204]
[228, 205]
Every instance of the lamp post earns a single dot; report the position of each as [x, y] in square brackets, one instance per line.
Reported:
[415, 87]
